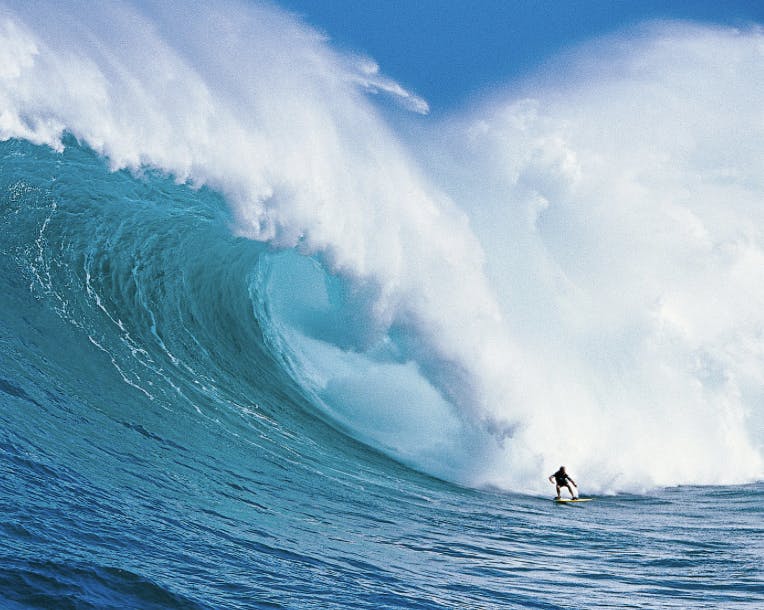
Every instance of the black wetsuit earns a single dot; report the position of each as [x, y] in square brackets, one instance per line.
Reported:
[561, 478]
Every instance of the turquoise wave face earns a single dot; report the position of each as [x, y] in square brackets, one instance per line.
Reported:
[130, 293]
[145, 304]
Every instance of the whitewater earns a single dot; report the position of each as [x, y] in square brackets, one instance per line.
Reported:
[272, 335]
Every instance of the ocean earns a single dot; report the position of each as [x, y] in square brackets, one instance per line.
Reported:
[250, 357]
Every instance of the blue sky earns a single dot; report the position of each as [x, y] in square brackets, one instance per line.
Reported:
[449, 50]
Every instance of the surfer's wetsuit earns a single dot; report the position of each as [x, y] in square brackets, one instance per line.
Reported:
[561, 478]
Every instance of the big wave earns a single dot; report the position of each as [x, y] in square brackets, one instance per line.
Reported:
[569, 272]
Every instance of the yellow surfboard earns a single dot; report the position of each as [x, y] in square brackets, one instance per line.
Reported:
[566, 500]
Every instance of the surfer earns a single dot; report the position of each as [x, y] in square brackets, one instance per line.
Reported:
[561, 479]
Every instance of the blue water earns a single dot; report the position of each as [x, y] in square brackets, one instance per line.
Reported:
[157, 451]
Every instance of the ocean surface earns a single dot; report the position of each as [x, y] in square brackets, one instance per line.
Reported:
[251, 356]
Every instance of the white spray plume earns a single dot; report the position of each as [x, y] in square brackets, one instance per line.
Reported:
[621, 201]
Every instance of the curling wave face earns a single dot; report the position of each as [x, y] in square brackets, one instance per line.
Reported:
[568, 274]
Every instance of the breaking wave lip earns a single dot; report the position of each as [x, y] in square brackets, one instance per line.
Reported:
[585, 277]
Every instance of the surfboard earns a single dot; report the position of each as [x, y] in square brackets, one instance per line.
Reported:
[565, 500]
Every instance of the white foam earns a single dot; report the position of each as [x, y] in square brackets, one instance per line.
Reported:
[621, 200]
